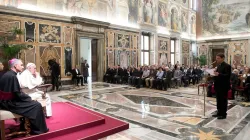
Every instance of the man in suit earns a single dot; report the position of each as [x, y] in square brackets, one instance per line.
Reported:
[77, 75]
[85, 71]
[222, 85]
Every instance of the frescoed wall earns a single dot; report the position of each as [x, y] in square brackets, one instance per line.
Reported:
[133, 11]
[163, 14]
[238, 52]
[225, 17]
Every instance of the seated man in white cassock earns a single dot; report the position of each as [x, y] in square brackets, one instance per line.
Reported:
[29, 80]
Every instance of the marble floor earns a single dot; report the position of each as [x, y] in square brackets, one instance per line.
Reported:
[176, 114]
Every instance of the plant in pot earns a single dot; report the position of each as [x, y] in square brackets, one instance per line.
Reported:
[9, 50]
[203, 60]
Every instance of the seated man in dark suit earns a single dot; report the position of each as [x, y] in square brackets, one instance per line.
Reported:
[77, 75]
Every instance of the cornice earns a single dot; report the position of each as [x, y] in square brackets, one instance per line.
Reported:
[33, 14]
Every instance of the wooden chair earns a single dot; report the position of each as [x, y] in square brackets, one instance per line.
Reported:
[5, 115]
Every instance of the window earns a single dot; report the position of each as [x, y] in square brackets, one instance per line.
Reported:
[191, 4]
[195, 5]
[145, 41]
[172, 54]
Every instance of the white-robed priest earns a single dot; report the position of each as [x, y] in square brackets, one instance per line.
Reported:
[29, 80]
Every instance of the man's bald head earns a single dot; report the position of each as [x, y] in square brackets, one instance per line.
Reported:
[16, 65]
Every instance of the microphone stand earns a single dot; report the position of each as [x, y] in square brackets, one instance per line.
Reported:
[204, 93]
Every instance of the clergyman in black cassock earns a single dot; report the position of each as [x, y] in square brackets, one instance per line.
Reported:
[222, 86]
[21, 103]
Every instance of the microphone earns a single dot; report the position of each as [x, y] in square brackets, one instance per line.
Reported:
[213, 63]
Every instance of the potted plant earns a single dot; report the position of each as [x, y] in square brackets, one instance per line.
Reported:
[202, 60]
[7, 49]
[17, 32]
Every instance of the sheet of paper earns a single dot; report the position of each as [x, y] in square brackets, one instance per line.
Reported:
[210, 71]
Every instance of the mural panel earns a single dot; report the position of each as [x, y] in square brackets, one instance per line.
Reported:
[163, 45]
[184, 21]
[122, 58]
[193, 24]
[163, 58]
[47, 53]
[13, 3]
[68, 35]
[111, 39]
[68, 60]
[123, 41]
[49, 33]
[110, 57]
[163, 14]
[134, 42]
[133, 11]
[185, 52]
[6, 25]
[28, 55]
[175, 20]
[134, 58]
[182, 2]
[225, 17]
[148, 11]
[238, 52]
[30, 31]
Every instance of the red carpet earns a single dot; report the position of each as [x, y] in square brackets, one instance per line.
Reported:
[73, 122]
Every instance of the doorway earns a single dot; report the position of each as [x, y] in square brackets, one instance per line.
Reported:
[214, 53]
[88, 51]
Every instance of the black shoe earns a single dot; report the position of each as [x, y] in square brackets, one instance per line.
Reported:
[221, 117]
[215, 115]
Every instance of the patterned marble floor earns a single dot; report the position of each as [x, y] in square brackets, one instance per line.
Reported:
[161, 115]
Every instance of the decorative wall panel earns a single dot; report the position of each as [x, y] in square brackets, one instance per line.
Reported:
[47, 53]
[135, 42]
[111, 39]
[238, 52]
[134, 56]
[125, 51]
[186, 53]
[30, 31]
[163, 51]
[110, 57]
[68, 60]
[49, 33]
[28, 55]
[133, 11]
[6, 25]
[163, 14]
[123, 41]
[68, 35]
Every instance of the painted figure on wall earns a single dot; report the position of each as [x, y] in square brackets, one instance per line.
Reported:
[133, 11]
[148, 11]
[162, 14]
[13, 3]
[193, 25]
[163, 58]
[225, 17]
[174, 19]
[184, 21]
[248, 19]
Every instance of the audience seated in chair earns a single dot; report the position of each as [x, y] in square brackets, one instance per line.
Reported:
[76, 75]
[29, 80]
[177, 77]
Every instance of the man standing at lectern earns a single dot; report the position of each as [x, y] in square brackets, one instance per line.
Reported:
[221, 85]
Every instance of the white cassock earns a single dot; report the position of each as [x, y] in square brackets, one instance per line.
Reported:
[28, 84]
